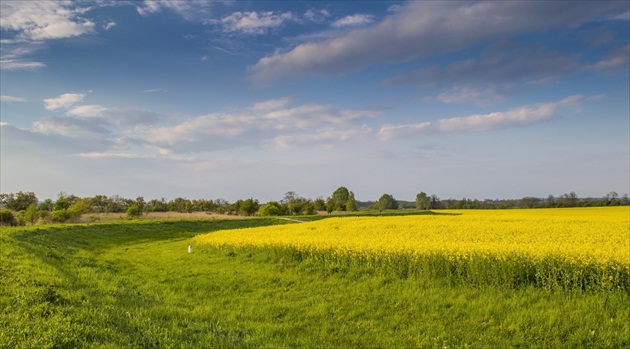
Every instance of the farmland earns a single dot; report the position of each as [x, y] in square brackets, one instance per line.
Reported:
[260, 283]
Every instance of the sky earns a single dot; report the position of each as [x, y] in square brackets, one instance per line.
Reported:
[240, 99]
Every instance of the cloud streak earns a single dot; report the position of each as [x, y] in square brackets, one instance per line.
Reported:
[517, 117]
[422, 29]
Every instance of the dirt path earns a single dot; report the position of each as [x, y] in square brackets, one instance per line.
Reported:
[291, 219]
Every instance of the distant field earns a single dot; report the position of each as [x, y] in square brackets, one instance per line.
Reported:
[132, 284]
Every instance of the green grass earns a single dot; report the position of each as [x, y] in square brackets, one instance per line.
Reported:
[133, 285]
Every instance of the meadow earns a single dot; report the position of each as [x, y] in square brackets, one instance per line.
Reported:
[133, 285]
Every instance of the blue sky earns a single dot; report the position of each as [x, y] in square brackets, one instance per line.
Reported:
[238, 99]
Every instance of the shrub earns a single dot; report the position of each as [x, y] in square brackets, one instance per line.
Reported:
[7, 218]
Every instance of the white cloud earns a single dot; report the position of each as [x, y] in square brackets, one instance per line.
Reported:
[498, 120]
[11, 99]
[465, 94]
[254, 22]
[65, 101]
[353, 20]
[90, 110]
[512, 118]
[189, 10]
[617, 58]
[109, 25]
[20, 65]
[42, 20]
[323, 138]
[72, 127]
[423, 29]
[317, 16]
[271, 104]
[261, 123]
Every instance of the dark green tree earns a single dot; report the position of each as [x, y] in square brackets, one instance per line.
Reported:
[272, 208]
[423, 201]
[7, 218]
[20, 200]
[387, 202]
[248, 207]
[351, 204]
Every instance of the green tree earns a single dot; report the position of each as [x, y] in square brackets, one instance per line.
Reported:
[387, 202]
[180, 205]
[31, 215]
[423, 201]
[134, 211]
[340, 199]
[61, 215]
[351, 203]
[21, 200]
[248, 207]
[7, 218]
[319, 204]
[272, 208]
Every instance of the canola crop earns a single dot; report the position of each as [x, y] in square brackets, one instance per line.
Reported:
[577, 248]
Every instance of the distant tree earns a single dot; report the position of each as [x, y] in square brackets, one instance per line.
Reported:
[319, 204]
[528, 202]
[308, 208]
[340, 200]
[423, 201]
[203, 205]
[351, 204]
[6, 218]
[550, 202]
[435, 202]
[180, 205]
[134, 211]
[248, 207]
[288, 196]
[64, 201]
[80, 206]
[31, 215]
[47, 205]
[61, 215]
[272, 208]
[387, 202]
[115, 204]
[157, 205]
[612, 199]
[20, 201]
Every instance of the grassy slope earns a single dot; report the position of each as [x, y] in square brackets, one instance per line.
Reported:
[134, 285]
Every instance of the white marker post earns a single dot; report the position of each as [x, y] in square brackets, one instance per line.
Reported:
[189, 248]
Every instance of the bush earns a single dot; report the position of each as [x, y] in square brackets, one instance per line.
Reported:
[134, 211]
[7, 218]
[63, 215]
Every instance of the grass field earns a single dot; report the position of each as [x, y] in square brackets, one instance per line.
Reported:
[134, 285]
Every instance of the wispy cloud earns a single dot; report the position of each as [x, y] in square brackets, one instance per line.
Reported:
[11, 99]
[617, 58]
[269, 122]
[517, 117]
[422, 29]
[253, 22]
[65, 101]
[155, 90]
[353, 21]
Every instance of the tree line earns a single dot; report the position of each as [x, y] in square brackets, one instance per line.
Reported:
[23, 208]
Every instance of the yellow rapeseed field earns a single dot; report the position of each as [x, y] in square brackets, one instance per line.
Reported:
[576, 235]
